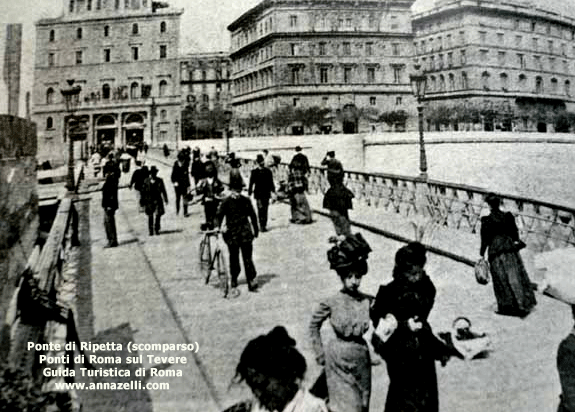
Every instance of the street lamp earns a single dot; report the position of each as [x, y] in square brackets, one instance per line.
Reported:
[177, 127]
[72, 100]
[418, 82]
[228, 118]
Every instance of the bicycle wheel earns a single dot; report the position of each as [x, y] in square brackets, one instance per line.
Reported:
[205, 258]
[222, 273]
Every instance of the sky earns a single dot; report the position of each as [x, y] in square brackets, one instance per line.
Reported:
[203, 28]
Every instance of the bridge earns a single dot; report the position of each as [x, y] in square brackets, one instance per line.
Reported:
[149, 291]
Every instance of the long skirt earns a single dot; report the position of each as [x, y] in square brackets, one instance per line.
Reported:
[511, 284]
[300, 210]
[348, 375]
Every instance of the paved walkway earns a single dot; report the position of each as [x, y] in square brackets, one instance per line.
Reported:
[148, 290]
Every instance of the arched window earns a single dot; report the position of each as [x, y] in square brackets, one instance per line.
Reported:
[432, 85]
[451, 82]
[163, 27]
[163, 115]
[485, 80]
[134, 91]
[522, 81]
[567, 88]
[106, 31]
[441, 83]
[503, 81]
[79, 33]
[464, 81]
[50, 96]
[52, 35]
[538, 85]
[89, 5]
[49, 123]
[554, 85]
[135, 28]
[163, 87]
[106, 91]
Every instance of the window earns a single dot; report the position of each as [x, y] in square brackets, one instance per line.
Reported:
[348, 23]
[371, 75]
[535, 44]
[503, 81]
[79, 33]
[49, 123]
[98, 4]
[395, 49]
[106, 55]
[441, 83]
[372, 101]
[397, 74]
[369, 49]
[323, 75]
[500, 39]
[440, 61]
[164, 114]
[134, 91]
[135, 28]
[464, 82]
[89, 5]
[518, 40]
[163, 51]
[295, 75]
[463, 57]
[50, 59]
[483, 36]
[521, 60]
[71, 6]
[451, 82]
[117, 4]
[538, 84]
[106, 31]
[538, 63]
[398, 101]
[552, 64]
[163, 27]
[134, 53]
[50, 96]
[501, 58]
[550, 46]
[293, 49]
[533, 26]
[295, 101]
[163, 87]
[485, 80]
[106, 91]
[52, 35]
[461, 37]
[293, 21]
[322, 49]
[483, 55]
[347, 49]
[567, 88]
[204, 75]
[448, 39]
[449, 59]
[78, 57]
[347, 75]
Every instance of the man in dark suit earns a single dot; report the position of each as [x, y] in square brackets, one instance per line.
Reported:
[300, 161]
[155, 195]
[110, 205]
[566, 368]
[181, 181]
[262, 186]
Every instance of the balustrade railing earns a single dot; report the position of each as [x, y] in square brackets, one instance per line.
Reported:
[542, 225]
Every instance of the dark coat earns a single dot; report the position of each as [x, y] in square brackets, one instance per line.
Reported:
[498, 232]
[238, 212]
[197, 170]
[138, 178]
[566, 368]
[261, 183]
[110, 192]
[300, 161]
[154, 195]
[180, 175]
[210, 192]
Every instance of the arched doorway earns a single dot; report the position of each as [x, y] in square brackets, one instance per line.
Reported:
[106, 131]
[134, 130]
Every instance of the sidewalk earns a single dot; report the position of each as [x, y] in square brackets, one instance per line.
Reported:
[148, 290]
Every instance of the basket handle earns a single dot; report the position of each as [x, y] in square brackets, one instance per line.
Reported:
[461, 318]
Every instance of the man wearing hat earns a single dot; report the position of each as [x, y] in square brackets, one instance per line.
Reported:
[262, 186]
[154, 197]
[299, 161]
[238, 212]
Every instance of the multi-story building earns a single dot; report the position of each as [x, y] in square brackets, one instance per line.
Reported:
[348, 56]
[205, 93]
[508, 64]
[124, 55]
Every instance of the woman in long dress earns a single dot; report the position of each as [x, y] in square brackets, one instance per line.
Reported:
[346, 356]
[297, 186]
[412, 349]
[511, 284]
[273, 369]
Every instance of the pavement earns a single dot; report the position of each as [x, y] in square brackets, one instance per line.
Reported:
[149, 290]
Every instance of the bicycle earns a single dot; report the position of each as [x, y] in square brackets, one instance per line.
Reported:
[212, 258]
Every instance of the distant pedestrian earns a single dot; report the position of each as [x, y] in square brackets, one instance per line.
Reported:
[566, 369]
[511, 284]
[338, 198]
[300, 161]
[262, 186]
[235, 165]
[154, 197]
[297, 186]
[213, 155]
[181, 181]
[210, 189]
[166, 150]
[197, 169]
[112, 165]
[137, 182]
[110, 205]
[238, 212]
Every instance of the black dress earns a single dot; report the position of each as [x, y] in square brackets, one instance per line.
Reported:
[410, 356]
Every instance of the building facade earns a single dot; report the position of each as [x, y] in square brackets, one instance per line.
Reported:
[496, 65]
[349, 58]
[205, 93]
[124, 55]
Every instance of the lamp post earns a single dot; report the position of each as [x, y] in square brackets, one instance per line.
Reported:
[418, 82]
[228, 118]
[177, 127]
[72, 100]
